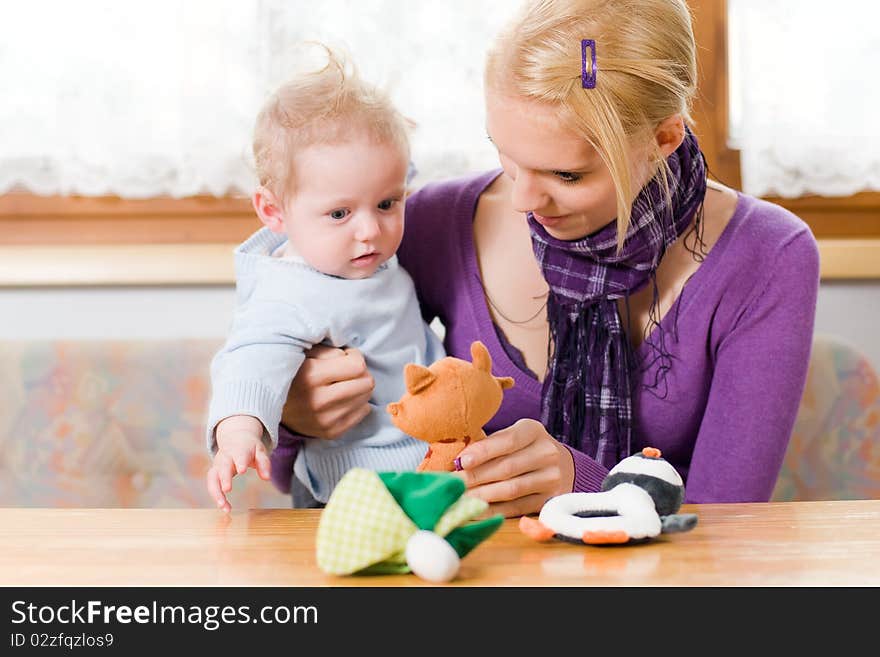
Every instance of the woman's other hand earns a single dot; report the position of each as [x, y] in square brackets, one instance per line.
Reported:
[329, 394]
[517, 469]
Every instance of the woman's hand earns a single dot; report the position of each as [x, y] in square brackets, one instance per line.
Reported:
[517, 469]
[329, 394]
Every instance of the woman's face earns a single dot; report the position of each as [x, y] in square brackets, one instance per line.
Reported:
[557, 175]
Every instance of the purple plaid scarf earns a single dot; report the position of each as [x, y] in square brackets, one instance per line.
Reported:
[587, 394]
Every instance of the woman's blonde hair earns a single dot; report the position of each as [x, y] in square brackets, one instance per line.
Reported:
[324, 106]
[646, 71]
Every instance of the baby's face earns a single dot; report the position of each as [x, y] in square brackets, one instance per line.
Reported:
[345, 216]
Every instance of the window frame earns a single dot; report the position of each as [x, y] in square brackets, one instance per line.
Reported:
[74, 240]
[850, 218]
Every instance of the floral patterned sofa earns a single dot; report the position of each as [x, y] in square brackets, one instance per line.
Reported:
[834, 451]
[110, 424]
[121, 424]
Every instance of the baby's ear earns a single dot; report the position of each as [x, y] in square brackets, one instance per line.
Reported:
[269, 209]
[417, 378]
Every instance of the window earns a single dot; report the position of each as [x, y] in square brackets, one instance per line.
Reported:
[848, 226]
[135, 125]
[803, 100]
[125, 133]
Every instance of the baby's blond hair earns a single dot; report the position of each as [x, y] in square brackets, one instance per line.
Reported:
[646, 72]
[325, 106]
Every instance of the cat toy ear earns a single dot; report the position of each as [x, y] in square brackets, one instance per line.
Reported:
[480, 356]
[417, 378]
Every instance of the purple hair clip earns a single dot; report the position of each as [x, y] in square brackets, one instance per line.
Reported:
[588, 76]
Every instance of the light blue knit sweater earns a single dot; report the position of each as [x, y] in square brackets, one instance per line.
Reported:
[284, 307]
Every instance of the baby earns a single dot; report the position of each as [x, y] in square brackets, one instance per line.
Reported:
[332, 156]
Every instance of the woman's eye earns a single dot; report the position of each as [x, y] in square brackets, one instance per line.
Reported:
[339, 215]
[567, 176]
[387, 204]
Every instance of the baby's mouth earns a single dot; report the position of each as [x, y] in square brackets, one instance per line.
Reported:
[365, 259]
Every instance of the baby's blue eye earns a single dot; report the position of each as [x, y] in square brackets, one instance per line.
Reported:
[339, 215]
[387, 204]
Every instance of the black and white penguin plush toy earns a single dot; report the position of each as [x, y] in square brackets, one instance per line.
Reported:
[639, 500]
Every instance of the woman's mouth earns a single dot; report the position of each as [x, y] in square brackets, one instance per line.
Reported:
[548, 222]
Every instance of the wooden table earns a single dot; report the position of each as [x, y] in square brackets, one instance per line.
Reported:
[775, 544]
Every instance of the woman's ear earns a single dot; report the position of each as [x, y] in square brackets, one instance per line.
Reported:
[669, 134]
[269, 209]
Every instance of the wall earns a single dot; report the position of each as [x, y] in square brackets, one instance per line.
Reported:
[851, 310]
[115, 312]
[848, 309]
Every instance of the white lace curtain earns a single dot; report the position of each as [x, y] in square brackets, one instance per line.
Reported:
[150, 98]
[805, 95]
[157, 98]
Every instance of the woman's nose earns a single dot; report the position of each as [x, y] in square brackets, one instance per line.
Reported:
[527, 192]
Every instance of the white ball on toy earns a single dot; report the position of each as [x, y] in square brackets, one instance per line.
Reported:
[430, 557]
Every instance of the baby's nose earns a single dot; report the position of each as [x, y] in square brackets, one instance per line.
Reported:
[368, 229]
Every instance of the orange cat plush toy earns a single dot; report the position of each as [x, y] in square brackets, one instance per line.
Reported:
[447, 404]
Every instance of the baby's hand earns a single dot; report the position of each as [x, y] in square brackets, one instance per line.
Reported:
[239, 447]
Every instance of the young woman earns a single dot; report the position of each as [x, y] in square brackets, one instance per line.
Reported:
[633, 302]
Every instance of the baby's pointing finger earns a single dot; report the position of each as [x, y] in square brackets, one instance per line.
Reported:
[213, 484]
[225, 469]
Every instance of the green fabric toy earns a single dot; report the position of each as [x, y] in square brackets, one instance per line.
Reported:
[400, 522]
